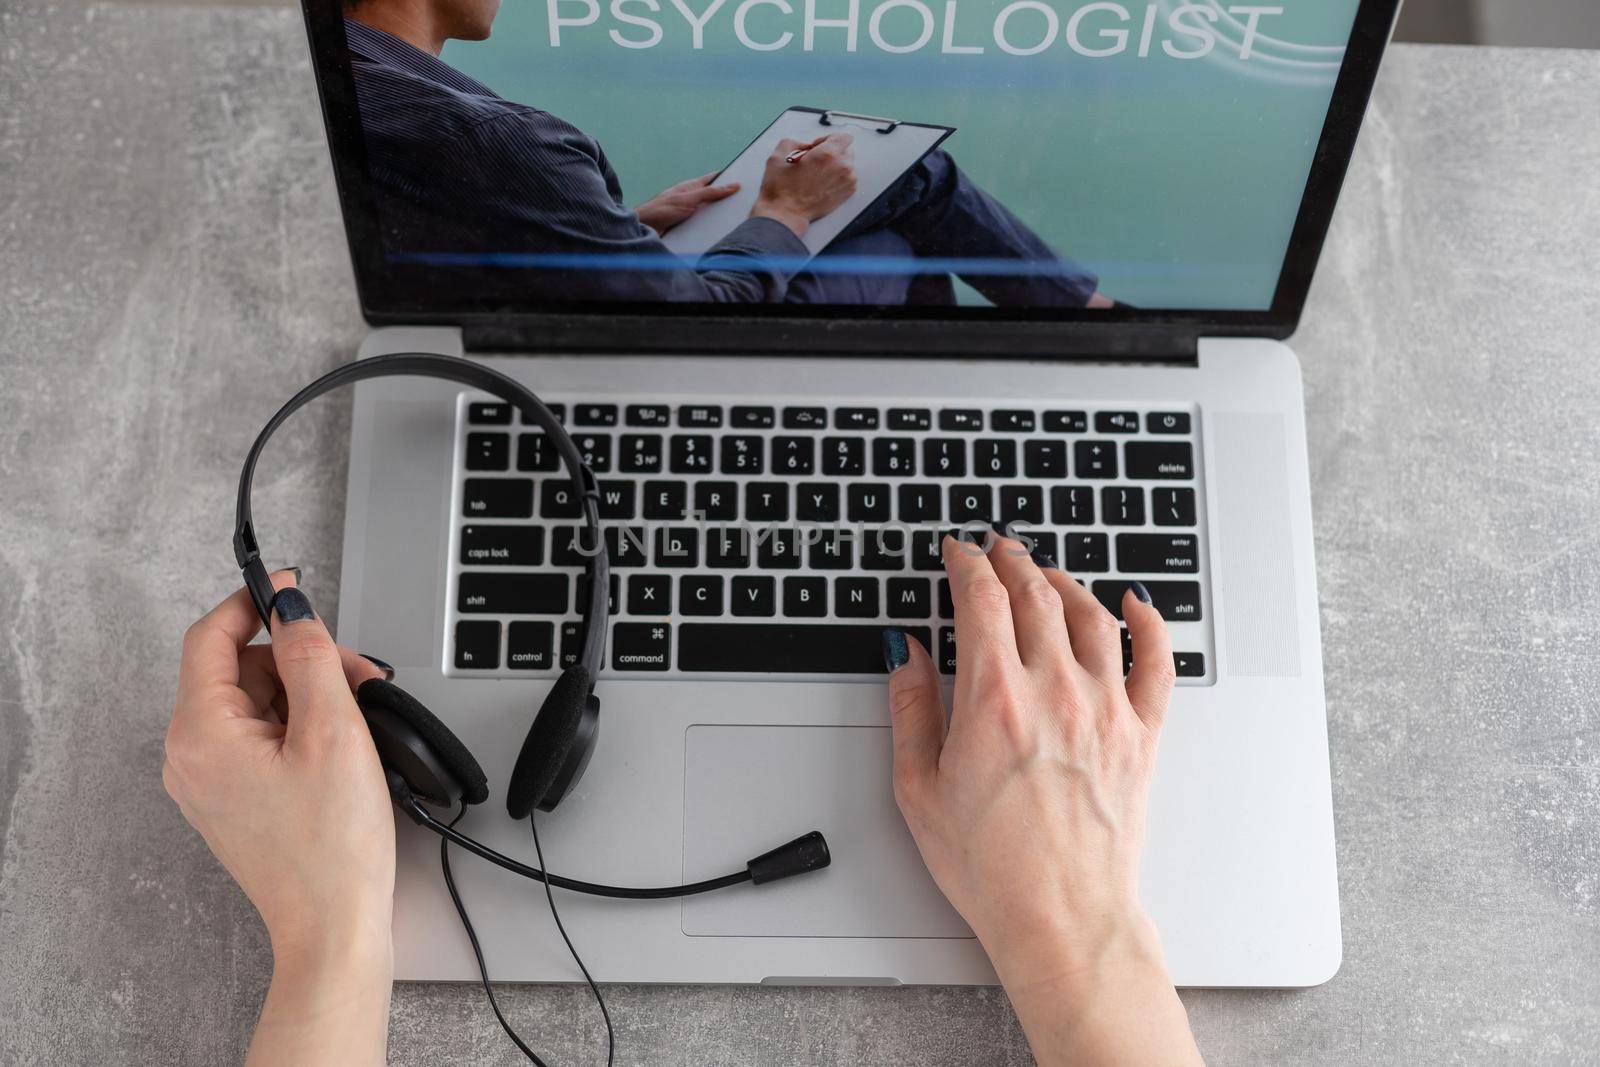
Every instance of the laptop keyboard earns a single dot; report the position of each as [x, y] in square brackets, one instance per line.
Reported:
[748, 538]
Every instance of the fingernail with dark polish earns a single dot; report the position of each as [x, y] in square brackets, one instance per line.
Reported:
[1045, 561]
[895, 652]
[1140, 591]
[296, 572]
[388, 671]
[291, 605]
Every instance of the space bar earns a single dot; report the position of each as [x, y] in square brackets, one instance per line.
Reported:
[772, 648]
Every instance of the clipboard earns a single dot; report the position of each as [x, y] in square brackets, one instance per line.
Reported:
[884, 150]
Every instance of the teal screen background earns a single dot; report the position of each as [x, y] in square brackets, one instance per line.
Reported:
[1177, 181]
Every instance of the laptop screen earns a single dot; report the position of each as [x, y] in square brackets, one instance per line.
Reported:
[1030, 157]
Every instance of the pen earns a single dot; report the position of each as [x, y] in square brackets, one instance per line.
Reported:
[794, 157]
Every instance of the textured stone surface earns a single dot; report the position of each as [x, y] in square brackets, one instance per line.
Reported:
[171, 263]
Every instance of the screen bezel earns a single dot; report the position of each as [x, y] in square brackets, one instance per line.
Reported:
[396, 294]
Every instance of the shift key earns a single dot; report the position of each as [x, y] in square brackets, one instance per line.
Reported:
[1176, 601]
[512, 594]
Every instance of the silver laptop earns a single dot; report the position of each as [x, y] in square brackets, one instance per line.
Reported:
[1065, 315]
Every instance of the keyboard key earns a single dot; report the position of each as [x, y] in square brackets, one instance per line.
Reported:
[558, 410]
[530, 646]
[805, 597]
[699, 416]
[640, 453]
[717, 501]
[846, 456]
[883, 549]
[755, 595]
[908, 598]
[867, 502]
[727, 547]
[833, 551]
[1172, 507]
[1011, 421]
[961, 419]
[1158, 553]
[926, 553]
[753, 418]
[512, 594]
[1116, 422]
[910, 419]
[649, 594]
[502, 546]
[920, 502]
[558, 501]
[613, 597]
[626, 546]
[777, 550]
[1167, 422]
[1022, 504]
[766, 501]
[567, 546]
[488, 451]
[617, 499]
[794, 455]
[1177, 601]
[1122, 505]
[493, 413]
[1189, 664]
[946, 658]
[477, 645]
[1044, 459]
[666, 500]
[971, 503]
[855, 598]
[1043, 543]
[805, 418]
[648, 415]
[641, 646]
[947, 605]
[855, 418]
[1066, 422]
[570, 637]
[1160, 459]
[1072, 505]
[535, 452]
[994, 459]
[1094, 459]
[816, 502]
[595, 448]
[690, 453]
[944, 457]
[700, 594]
[594, 415]
[498, 498]
[743, 454]
[894, 457]
[1088, 553]
[772, 648]
[677, 546]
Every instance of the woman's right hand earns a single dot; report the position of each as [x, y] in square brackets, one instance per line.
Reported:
[799, 193]
[1029, 811]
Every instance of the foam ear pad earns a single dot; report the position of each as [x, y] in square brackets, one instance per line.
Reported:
[549, 743]
[383, 702]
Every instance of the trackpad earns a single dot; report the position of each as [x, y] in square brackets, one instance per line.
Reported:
[750, 788]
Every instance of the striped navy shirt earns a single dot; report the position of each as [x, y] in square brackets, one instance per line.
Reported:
[456, 168]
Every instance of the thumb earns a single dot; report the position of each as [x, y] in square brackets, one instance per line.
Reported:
[311, 671]
[916, 713]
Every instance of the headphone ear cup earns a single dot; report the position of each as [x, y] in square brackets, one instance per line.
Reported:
[558, 745]
[412, 742]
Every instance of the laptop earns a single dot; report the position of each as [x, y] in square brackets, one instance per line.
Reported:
[1067, 316]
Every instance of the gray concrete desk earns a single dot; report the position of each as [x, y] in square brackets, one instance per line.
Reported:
[168, 231]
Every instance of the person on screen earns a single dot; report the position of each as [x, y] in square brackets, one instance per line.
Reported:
[460, 170]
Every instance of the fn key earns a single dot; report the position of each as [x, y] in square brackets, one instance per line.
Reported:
[477, 645]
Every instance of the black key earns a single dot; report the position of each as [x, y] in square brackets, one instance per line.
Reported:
[766, 501]
[666, 500]
[699, 416]
[926, 555]
[1043, 543]
[617, 499]
[805, 418]
[920, 502]
[1072, 505]
[558, 410]
[910, 419]
[641, 646]
[816, 502]
[944, 457]
[1158, 553]
[805, 597]
[908, 598]
[1122, 505]
[613, 598]
[558, 501]
[777, 550]
[594, 415]
[529, 646]
[971, 502]
[755, 595]
[727, 547]
[867, 502]
[833, 551]
[648, 415]
[1189, 664]
[1177, 601]
[947, 605]
[1167, 422]
[947, 650]
[640, 454]
[649, 594]
[627, 546]
[1127, 651]
[1011, 421]
[690, 453]
[855, 598]
[677, 546]
[794, 455]
[855, 418]
[502, 546]
[960, 419]
[535, 452]
[743, 454]
[700, 594]
[570, 546]
[571, 634]
[717, 501]
[779, 648]
[753, 418]
[498, 498]
[595, 448]
[1094, 459]
[1172, 507]
[1022, 503]
[1116, 422]
[493, 413]
[488, 451]
[477, 645]
[1088, 552]
[894, 457]
[1066, 422]
[994, 459]
[512, 594]
[1044, 459]
[883, 549]
[845, 456]
[1160, 459]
